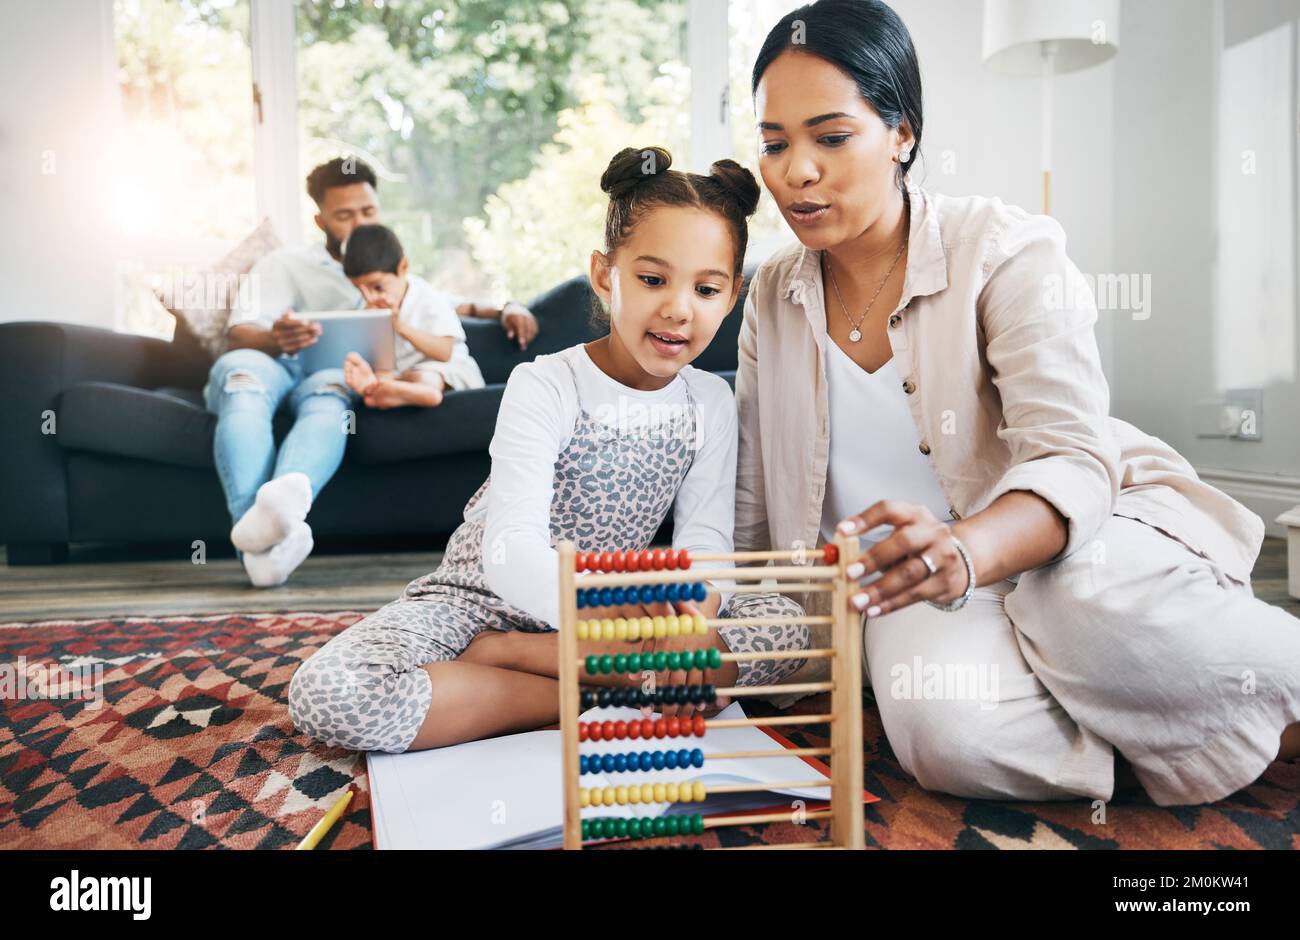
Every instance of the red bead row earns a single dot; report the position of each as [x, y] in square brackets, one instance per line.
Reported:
[646, 728]
[656, 560]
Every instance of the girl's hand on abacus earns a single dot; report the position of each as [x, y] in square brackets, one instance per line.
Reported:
[725, 675]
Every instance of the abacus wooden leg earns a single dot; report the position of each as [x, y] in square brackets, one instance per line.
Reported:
[846, 704]
[569, 696]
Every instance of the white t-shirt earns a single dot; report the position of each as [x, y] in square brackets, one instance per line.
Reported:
[304, 280]
[535, 424]
[874, 451]
[433, 311]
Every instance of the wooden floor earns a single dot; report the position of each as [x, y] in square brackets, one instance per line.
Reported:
[101, 584]
[167, 587]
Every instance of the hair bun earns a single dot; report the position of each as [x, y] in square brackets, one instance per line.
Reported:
[631, 167]
[739, 182]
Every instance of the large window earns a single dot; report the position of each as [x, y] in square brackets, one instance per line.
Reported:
[182, 176]
[489, 123]
[749, 22]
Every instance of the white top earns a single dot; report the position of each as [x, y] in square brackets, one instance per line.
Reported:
[874, 451]
[305, 279]
[535, 424]
[301, 279]
[426, 308]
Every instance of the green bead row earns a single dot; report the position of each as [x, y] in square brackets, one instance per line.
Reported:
[635, 662]
[609, 827]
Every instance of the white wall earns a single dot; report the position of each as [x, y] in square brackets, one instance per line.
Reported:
[1165, 178]
[57, 68]
[987, 128]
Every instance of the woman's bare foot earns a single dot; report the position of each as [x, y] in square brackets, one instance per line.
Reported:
[358, 374]
[394, 393]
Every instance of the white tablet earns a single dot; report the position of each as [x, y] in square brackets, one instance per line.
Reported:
[368, 332]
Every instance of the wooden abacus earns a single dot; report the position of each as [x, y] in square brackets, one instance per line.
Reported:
[653, 576]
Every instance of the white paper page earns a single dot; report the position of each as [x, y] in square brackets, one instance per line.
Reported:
[472, 795]
[510, 789]
[376, 815]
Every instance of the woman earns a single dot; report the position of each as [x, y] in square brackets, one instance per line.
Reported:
[929, 358]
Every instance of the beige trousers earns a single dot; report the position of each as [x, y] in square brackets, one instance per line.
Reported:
[1133, 642]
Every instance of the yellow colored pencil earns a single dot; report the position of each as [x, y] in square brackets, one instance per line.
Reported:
[318, 831]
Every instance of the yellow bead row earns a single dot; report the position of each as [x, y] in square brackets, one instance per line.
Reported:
[645, 793]
[638, 628]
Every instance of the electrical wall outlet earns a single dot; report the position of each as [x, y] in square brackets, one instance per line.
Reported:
[1245, 407]
[1238, 415]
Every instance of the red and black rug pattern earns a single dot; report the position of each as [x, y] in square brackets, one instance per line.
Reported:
[192, 747]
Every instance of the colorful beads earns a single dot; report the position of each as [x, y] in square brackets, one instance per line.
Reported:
[705, 694]
[634, 761]
[694, 792]
[830, 554]
[645, 729]
[643, 594]
[633, 629]
[608, 827]
[619, 561]
[674, 660]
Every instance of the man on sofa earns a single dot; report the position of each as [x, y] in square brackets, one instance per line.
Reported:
[267, 493]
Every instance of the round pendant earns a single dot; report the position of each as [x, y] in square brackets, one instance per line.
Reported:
[855, 335]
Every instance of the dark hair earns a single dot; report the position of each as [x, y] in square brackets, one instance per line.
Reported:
[638, 179]
[868, 42]
[341, 171]
[371, 248]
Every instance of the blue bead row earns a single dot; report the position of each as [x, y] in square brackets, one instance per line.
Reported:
[645, 594]
[640, 760]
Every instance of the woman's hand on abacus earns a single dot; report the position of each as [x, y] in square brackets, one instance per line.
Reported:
[900, 559]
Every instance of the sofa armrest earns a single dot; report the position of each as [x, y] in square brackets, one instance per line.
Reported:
[38, 360]
[563, 319]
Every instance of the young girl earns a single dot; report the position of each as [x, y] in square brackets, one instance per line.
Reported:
[594, 444]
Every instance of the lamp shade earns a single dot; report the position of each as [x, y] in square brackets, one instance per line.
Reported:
[1079, 34]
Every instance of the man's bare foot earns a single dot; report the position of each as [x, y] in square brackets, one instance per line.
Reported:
[394, 393]
[358, 374]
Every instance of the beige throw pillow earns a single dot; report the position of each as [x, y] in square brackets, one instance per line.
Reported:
[202, 300]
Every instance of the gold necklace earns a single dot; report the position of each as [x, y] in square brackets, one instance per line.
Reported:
[856, 334]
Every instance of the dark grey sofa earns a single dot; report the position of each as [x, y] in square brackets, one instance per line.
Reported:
[130, 459]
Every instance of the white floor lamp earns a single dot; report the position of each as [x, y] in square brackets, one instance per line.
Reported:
[1046, 38]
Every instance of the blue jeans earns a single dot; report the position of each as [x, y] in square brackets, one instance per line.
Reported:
[245, 387]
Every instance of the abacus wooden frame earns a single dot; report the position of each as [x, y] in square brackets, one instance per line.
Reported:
[845, 685]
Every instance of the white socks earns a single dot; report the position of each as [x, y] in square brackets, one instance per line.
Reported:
[280, 505]
[272, 567]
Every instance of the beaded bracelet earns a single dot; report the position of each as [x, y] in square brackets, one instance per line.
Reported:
[960, 602]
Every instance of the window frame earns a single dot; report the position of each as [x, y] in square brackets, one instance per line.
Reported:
[278, 190]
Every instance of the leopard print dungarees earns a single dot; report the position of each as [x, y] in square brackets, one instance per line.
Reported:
[366, 689]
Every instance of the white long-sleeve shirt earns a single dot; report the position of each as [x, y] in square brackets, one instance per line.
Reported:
[535, 424]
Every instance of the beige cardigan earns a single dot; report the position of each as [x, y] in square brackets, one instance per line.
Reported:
[996, 351]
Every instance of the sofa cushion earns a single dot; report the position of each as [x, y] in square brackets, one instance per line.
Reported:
[202, 318]
[169, 427]
[462, 424]
[172, 426]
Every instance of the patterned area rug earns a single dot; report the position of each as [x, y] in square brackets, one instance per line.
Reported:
[192, 748]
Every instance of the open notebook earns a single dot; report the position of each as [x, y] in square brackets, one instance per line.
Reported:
[506, 793]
